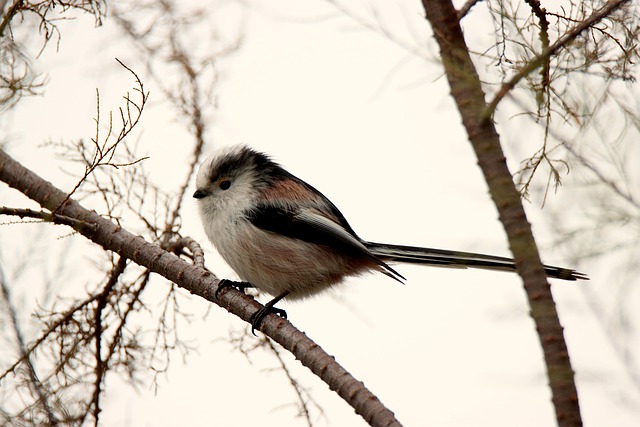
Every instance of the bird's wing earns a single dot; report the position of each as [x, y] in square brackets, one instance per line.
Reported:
[311, 226]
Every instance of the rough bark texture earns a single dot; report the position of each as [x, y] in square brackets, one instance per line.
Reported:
[470, 99]
[200, 282]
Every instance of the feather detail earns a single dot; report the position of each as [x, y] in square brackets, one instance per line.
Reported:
[456, 259]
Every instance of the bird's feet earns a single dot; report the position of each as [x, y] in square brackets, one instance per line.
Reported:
[225, 284]
[257, 317]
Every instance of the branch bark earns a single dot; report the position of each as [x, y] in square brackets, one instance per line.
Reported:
[200, 282]
[470, 100]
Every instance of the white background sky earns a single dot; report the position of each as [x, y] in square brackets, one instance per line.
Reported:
[375, 130]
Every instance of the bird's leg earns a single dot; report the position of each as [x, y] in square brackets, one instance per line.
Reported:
[258, 316]
[225, 284]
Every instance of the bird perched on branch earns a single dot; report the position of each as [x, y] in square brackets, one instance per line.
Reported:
[284, 237]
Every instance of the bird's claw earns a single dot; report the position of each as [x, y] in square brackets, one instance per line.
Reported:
[225, 284]
[257, 317]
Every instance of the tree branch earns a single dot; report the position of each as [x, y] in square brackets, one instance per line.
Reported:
[466, 8]
[35, 385]
[544, 56]
[467, 92]
[202, 283]
[13, 9]
[45, 216]
[101, 365]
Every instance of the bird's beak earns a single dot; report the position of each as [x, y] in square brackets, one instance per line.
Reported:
[199, 194]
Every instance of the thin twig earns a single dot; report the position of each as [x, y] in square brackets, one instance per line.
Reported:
[378, 29]
[46, 216]
[25, 354]
[101, 368]
[304, 408]
[104, 153]
[540, 59]
[52, 327]
[466, 7]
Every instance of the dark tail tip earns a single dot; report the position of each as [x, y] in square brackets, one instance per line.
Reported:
[565, 274]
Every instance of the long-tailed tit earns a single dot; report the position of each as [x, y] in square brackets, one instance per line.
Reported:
[287, 239]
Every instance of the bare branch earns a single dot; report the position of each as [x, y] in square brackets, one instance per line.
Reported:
[13, 9]
[52, 327]
[541, 14]
[544, 56]
[202, 283]
[466, 90]
[17, 78]
[104, 150]
[187, 242]
[43, 398]
[466, 8]
[193, 95]
[302, 395]
[101, 368]
[45, 216]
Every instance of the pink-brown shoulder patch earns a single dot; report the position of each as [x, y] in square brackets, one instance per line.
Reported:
[286, 190]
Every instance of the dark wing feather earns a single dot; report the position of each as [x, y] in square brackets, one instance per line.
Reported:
[310, 226]
[445, 258]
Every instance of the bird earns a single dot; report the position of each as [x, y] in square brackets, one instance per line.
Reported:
[285, 238]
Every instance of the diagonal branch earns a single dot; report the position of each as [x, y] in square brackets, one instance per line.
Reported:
[467, 92]
[466, 8]
[202, 283]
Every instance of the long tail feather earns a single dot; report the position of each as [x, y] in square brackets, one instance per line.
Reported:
[455, 259]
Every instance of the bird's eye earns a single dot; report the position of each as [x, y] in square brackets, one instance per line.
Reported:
[224, 184]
